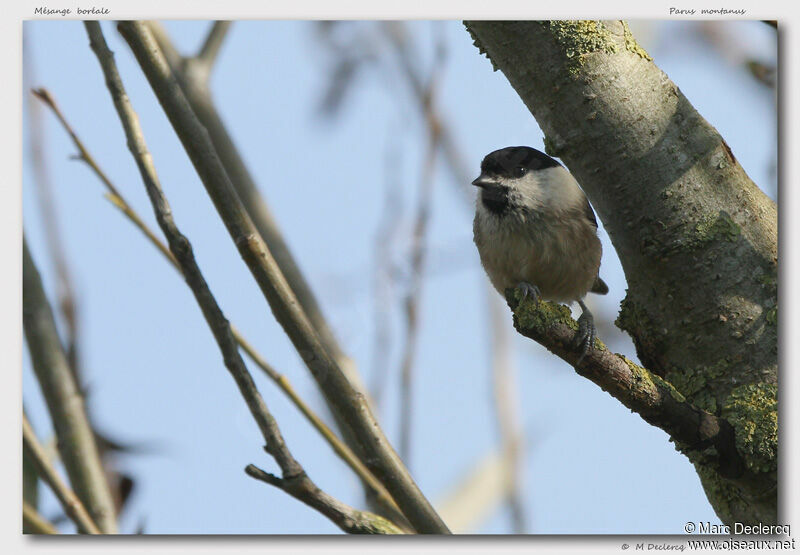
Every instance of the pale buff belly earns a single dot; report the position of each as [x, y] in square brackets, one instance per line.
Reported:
[563, 265]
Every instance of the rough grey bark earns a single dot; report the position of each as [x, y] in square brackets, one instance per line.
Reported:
[696, 237]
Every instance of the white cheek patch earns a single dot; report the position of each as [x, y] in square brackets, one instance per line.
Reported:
[563, 192]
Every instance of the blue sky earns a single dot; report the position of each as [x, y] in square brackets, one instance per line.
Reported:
[155, 375]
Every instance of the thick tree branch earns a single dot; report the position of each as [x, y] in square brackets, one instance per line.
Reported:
[348, 402]
[645, 393]
[696, 237]
[182, 251]
[72, 506]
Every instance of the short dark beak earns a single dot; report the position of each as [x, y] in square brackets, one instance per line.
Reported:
[483, 181]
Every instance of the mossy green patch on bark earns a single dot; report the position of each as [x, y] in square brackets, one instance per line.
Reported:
[694, 383]
[632, 46]
[715, 227]
[528, 315]
[635, 320]
[772, 316]
[752, 410]
[647, 381]
[577, 38]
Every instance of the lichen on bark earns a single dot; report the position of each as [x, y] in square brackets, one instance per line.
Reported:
[752, 409]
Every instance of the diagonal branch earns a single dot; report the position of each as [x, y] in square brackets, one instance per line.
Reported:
[67, 299]
[348, 519]
[280, 380]
[195, 86]
[72, 506]
[76, 440]
[196, 91]
[347, 401]
[181, 249]
[34, 523]
[645, 393]
[210, 49]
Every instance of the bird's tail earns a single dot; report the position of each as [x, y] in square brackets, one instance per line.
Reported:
[599, 287]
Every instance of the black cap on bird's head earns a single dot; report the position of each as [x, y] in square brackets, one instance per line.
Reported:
[512, 162]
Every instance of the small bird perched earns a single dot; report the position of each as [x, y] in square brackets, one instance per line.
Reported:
[535, 230]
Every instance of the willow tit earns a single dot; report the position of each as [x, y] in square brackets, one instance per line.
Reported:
[535, 230]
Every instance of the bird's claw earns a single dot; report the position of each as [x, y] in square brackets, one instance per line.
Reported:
[586, 334]
[529, 290]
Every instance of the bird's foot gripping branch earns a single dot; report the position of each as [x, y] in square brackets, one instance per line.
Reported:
[696, 433]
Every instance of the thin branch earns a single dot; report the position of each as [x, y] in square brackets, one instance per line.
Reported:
[642, 391]
[34, 523]
[348, 519]
[43, 184]
[192, 77]
[198, 95]
[454, 161]
[348, 402]
[181, 249]
[508, 418]
[340, 448]
[76, 440]
[210, 49]
[72, 506]
[194, 86]
[418, 251]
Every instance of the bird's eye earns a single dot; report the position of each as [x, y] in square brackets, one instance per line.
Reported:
[519, 171]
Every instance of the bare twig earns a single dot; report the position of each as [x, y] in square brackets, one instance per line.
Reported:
[280, 380]
[348, 519]
[508, 418]
[181, 249]
[65, 291]
[34, 523]
[194, 85]
[210, 49]
[642, 391]
[76, 441]
[454, 161]
[196, 91]
[348, 402]
[418, 250]
[72, 506]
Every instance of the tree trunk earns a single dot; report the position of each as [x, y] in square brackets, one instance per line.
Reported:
[696, 237]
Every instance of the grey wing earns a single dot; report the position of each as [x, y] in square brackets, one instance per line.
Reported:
[589, 213]
[599, 286]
